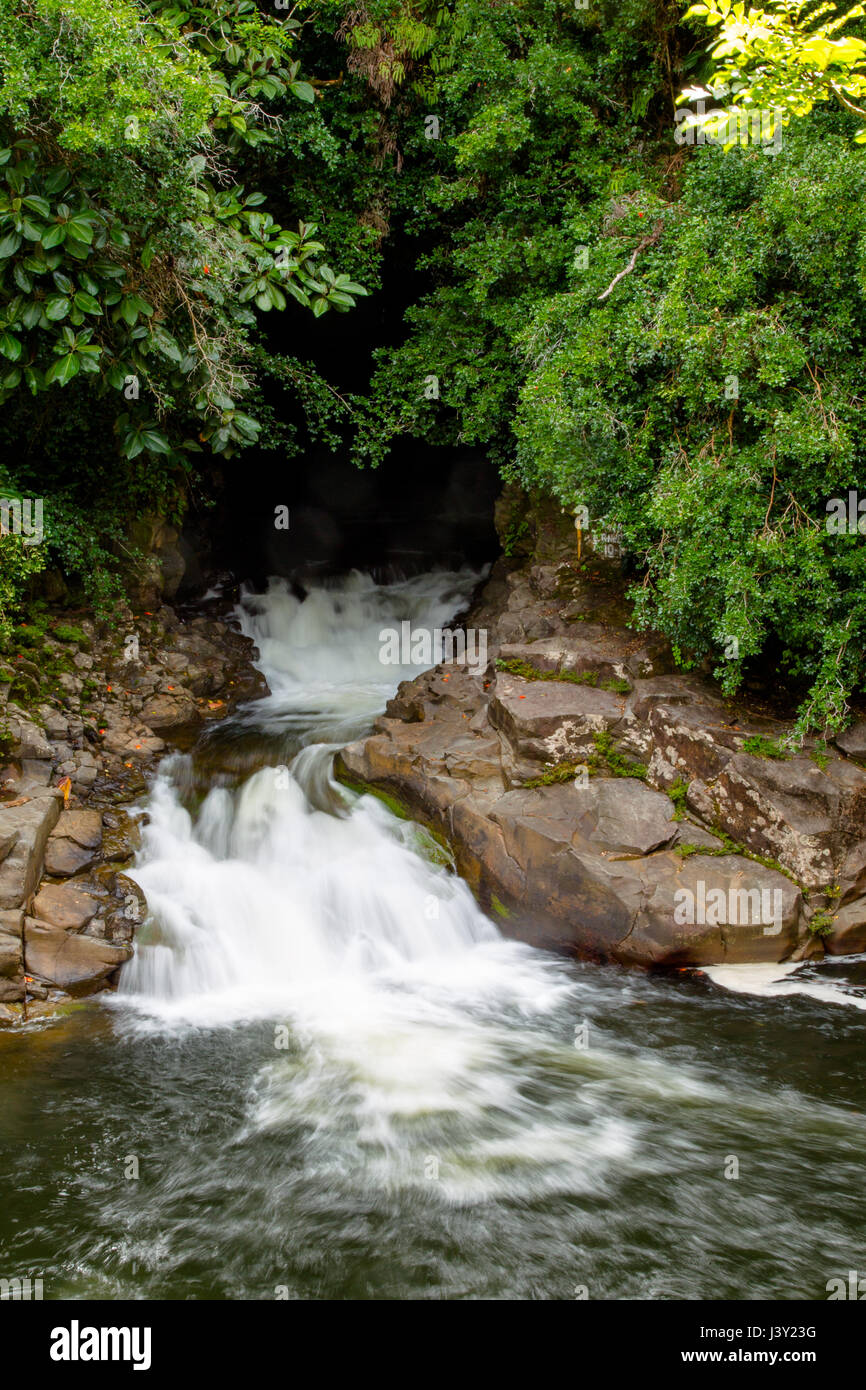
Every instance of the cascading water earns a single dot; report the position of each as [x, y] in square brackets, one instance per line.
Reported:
[338, 1080]
[287, 891]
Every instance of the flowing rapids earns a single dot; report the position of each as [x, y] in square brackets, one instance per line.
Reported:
[327, 1075]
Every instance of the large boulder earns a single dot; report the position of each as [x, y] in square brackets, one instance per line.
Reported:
[64, 906]
[584, 894]
[852, 740]
[623, 816]
[78, 964]
[31, 822]
[552, 721]
[11, 956]
[26, 739]
[172, 714]
[74, 843]
[849, 930]
[789, 810]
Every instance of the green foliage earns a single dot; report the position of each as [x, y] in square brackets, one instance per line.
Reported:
[128, 253]
[534, 101]
[710, 405]
[19, 563]
[761, 747]
[608, 761]
[553, 775]
[821, 924]
[786, 57]
[136, 263]
[672, 339]
[524, 669]
[74, 635]
[677, 794]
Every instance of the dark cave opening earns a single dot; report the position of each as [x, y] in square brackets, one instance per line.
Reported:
[424, 507]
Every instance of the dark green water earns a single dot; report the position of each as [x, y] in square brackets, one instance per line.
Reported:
[613, 1177]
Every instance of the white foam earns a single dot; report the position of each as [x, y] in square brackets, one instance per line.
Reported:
[774, 980]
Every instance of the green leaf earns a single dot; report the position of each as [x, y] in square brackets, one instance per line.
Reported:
[9, 245]
[53, 236]
[141, 305]
[80, 230]
[300, 295]
[63, 370]
[86, 303]
[303, 91]
[155, 442]
[56, 307]
[10, 346]
[37, 204]
[56, 180]
[167, 344]
[246, 424]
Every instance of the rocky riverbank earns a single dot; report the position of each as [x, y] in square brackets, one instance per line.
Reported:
[601, 802]
[85, 715]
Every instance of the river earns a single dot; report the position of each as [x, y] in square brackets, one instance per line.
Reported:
[327, 1075]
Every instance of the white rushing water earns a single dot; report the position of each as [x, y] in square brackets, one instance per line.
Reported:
[372, 959]
[401, 1033]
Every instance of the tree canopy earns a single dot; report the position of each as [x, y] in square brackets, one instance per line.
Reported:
[660, 321]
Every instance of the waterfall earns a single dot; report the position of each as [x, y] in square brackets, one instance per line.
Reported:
[288, 892]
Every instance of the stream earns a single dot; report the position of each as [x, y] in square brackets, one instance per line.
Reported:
[327, 1075]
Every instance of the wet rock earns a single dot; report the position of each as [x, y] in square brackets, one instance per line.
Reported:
[624, 816]
[63, 857]
[852, 876]
[552, 721]
[31, 823]
[83, 827]
[690, 834]
[64, 906]
[121, 836]
[852, 740]
[792, 811]
[78, 964]
[171, 714]
[849, 930]
[26, 738]
[11, 968]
